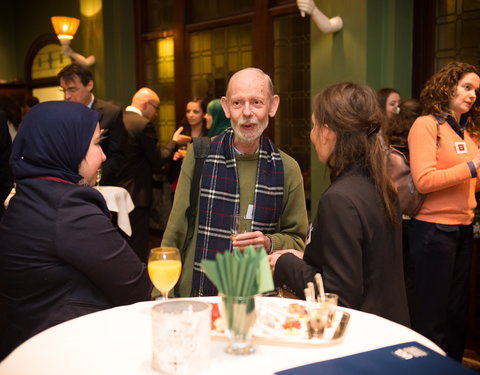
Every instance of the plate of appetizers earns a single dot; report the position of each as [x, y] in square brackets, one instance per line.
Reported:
[281, 320]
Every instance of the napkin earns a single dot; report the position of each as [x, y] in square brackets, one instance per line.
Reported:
[240, 273]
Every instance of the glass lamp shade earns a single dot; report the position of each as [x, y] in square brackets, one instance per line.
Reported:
[65, 27]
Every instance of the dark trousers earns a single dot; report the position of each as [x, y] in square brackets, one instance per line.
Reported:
[138, 241]
[408, 270]
[441, 255]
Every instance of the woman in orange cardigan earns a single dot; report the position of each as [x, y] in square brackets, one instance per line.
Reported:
[445, 160]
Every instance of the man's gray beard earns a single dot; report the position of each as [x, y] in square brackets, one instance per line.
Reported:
[248, 140]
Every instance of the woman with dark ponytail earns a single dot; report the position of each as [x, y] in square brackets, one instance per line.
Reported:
[356, 237]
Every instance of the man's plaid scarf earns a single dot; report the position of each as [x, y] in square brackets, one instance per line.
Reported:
[220, 200]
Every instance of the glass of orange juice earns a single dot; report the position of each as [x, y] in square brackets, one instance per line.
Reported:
[183, 150]
[164, 267]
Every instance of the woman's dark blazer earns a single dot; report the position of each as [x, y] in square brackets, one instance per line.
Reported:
[60, 258]
[355, 248]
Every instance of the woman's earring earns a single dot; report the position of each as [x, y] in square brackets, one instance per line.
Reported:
[99, 177]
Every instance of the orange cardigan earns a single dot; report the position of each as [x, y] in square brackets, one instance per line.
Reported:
[442, 173]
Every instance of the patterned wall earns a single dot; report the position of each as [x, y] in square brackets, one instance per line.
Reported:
[457, 32]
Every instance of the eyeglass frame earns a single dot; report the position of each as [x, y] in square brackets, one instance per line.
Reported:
[156, 106]
[70, 90]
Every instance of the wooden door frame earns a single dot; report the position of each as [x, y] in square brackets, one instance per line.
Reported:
[423, 56]
[262, 40]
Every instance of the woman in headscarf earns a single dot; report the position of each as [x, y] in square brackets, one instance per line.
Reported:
[356, 237]
[217, 122]
[60, 257]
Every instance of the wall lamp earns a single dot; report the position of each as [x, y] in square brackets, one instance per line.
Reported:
[65, 28]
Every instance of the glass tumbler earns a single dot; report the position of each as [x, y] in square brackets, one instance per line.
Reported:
[239, 316]
[180, 336]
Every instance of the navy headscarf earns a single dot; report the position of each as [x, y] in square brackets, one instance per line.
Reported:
[52, 140]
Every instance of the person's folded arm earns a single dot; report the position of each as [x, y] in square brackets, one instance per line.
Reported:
[422, 145]
[335, 251]
[293, 274]
[88, 241]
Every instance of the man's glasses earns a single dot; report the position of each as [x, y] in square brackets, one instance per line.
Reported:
[154, 105]
[70, 90]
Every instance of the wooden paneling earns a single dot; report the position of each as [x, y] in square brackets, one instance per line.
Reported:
[423, 44]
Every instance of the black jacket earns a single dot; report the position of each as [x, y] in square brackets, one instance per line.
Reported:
[114, 139]
[6, 178]
[60, 258]
[355, 248]
[143, 155]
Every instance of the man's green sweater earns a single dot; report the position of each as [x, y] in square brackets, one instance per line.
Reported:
[291, 228]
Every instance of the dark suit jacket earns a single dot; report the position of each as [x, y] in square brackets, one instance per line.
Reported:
[142, 156]
[6, 178]
[355, 248]
[114, 139]
[60, 258]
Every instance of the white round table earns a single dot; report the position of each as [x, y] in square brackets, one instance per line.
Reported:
[118, 341]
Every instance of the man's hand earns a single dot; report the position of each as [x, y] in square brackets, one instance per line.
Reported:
[256, 239]
[181, 139]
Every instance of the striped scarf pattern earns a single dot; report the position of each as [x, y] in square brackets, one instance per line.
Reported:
[220, 201]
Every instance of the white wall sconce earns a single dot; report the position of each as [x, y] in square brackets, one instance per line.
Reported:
[325, 24]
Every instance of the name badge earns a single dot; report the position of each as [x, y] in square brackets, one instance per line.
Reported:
[461, 147]
[249, 214]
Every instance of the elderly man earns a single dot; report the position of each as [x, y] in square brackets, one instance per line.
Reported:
[77, 85]
[142, 155]
[244, 174]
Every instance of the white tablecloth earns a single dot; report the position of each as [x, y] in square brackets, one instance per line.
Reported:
[118, 200]
[118, 341]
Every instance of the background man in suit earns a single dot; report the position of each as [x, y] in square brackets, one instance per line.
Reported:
[77, 85]
[142, 156]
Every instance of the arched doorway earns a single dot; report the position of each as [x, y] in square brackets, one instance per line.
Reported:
[43, 61]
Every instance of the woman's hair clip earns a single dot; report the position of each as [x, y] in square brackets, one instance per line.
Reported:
[374, 128]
